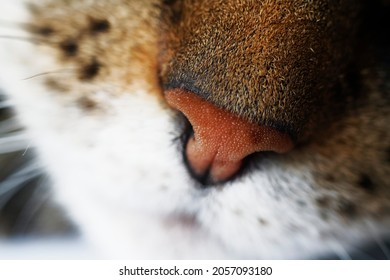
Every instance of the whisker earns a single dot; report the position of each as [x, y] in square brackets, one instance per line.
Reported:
[37, 200]
[12, 142]
[14, 182]
[377, 238]
[25, 39]
[25, 151]
[340, 251]
[33, 40]
[383, 247]
[8, 125]
[357, 253]
[66, 71]
[4, 105]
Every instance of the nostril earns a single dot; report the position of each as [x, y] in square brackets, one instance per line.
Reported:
[208, 163]
[222, 140]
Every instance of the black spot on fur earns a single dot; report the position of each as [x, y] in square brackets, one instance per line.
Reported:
[387, 155]
[99, 25]
[173, 9]
[169, 2]
[323, 202]
[45, 31]
[69, 47]
[347, 209]
[330, 178]
[366, 183]
[90, 70]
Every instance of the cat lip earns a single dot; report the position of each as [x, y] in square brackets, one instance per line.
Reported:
[222, 140]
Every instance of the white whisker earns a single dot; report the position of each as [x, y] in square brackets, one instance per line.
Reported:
[377, 238]
[13, 183]
[8, 125]
[340, 251]
[25, 151]
[13, 142]
[32, 206]
[5, 104]
[23, 39]
[383, 247]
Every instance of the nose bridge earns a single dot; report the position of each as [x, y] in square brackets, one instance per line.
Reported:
[271, 62]
[230, 69]
[225, 66]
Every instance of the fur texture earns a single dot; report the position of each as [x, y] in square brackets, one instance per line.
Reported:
[87, 81]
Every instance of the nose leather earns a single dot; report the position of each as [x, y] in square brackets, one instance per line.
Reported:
[221, 139]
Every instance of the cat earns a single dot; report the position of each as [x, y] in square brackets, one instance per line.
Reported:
[206, 129]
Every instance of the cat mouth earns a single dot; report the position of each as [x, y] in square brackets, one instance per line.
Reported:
[220, 142]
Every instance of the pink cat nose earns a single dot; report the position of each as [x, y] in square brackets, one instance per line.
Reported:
[222, 139]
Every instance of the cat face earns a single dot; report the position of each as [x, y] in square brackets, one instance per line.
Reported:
[117, 103]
